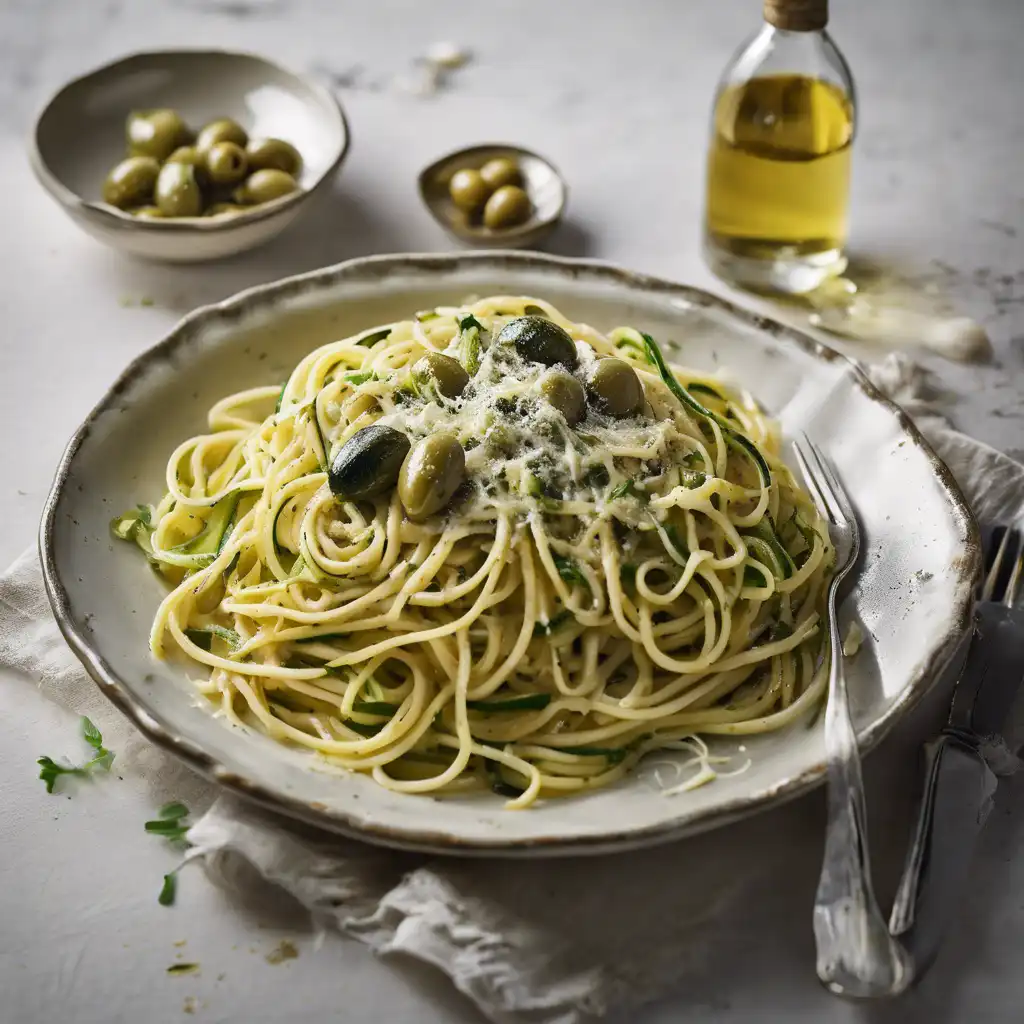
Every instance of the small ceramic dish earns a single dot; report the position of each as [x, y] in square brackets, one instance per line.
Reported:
[544, 185]
[79, 137]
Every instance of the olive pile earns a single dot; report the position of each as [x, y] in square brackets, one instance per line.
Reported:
[172, 172]
[493, 194]
[612, 387]
[379, 457]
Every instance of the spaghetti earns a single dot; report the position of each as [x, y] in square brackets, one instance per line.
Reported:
[591, 592]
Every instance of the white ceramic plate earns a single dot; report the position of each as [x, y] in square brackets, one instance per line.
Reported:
[913, 592]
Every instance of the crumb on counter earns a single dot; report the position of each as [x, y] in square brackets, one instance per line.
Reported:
[284, 950]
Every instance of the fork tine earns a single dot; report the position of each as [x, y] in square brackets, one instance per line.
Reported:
[989, 587]
[810, 479]
[825, 486]
[838, 493]
[1010, 597]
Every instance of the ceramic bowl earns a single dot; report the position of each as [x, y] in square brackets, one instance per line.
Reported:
[912, 594]
[79, 136]
[544, 185]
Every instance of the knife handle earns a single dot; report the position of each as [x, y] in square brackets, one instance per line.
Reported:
[958, 790]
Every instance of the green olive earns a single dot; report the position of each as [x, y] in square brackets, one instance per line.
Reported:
[615, 388]
[468, 190]
[500, 439]
[263, 186]
[507, 208]
[368, 463]
[223, 210]
[131, 182]
[155, 133]
[273, 155]
[177, 191]
[431, 474]
[226, 163]
[539, 340]
[221, 130]
[502, 170]
[563, 391]
[145, 211]
[447, 374]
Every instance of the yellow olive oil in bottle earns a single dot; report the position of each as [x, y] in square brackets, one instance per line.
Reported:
[778, 177]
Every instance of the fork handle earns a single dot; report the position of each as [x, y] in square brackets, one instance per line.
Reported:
[856, 954]
[959, 788]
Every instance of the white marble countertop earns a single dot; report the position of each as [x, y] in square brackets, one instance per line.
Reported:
[617, 94]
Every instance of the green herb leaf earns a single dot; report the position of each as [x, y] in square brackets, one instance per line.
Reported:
[597, 476]
[570, 572]
[627, 573]
[363, 730]
[280, 397]
[169, 828]
[92, 735]
[166, 898]
[129, 525]
[203, 638]
[374, 707]
[174, 810]
[556, 620]
[373, 337]
[498, 783]
[359, 377]
[171, 822]
[468, 322]
[627, 489]
[50, 771]
[676, 540]
[753, 577]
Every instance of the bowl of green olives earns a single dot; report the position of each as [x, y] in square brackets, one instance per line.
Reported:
[188, 155]
[494, 196]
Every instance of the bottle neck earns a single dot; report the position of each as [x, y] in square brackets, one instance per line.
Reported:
[796, 15]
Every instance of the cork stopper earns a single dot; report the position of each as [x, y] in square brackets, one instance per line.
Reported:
[797, 15]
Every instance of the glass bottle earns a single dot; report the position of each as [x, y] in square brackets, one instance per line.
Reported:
[778, 178]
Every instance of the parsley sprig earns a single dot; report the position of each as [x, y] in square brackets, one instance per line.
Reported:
[170, 822]
[50, 770]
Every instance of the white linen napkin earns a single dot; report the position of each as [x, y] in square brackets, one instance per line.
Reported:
[530, 942]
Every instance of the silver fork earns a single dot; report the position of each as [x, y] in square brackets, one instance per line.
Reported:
[856, 954]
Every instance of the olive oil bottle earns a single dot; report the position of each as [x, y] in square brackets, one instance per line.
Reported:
[778, 176]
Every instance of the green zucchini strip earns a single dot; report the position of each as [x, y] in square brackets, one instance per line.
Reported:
[732, 437]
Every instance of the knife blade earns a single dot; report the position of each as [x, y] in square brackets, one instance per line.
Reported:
[959, 785]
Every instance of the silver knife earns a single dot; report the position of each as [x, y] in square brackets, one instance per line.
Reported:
[959, 785]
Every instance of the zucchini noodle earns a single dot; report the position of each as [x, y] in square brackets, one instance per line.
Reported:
[590, 594]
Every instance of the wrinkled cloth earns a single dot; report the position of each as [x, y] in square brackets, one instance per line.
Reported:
[529, 942]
